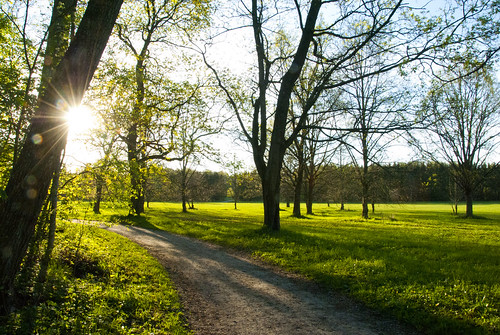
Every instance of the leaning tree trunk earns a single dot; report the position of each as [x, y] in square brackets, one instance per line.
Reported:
[30, 178]
[44, 263]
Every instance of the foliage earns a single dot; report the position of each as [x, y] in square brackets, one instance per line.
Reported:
[418, 262]
[99, 282]
[14, 83]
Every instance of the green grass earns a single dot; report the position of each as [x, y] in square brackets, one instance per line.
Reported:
[418, 262]
[100, 283]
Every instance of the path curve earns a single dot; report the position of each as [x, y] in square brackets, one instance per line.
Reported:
[228, 293]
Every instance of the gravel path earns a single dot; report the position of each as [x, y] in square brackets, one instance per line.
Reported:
[229, 293]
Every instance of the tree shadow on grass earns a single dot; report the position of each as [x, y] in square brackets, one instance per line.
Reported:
[132, 220]
[412, 271]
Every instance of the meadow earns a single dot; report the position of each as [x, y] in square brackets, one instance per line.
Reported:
[437, 271]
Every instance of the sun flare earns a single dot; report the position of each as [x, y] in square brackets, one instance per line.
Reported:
[80, 120]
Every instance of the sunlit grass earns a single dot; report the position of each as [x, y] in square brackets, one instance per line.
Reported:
[100, 283]
[437, 271]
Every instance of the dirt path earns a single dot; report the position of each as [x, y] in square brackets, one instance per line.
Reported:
[225, 293]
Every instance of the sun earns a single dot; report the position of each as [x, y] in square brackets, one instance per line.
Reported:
[80, 120]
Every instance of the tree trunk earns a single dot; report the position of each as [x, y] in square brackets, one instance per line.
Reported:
[364, 194]
[270, 176]
[310, 190]
[271, 199]
[364, 173]
[297, 192]
[98, 194]
[468, 204]
[137, 196]
[184, 189]
[364, 213]
[30, 178]
[44, 264]
[136, 183]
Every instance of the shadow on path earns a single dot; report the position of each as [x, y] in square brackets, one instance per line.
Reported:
[226, 293]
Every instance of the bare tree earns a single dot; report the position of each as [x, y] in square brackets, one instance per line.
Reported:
[293, 170]
[318, 154]
[464, 126]
[375, 111]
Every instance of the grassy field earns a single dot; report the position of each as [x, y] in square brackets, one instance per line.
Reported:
[419, 262]
[99, 283]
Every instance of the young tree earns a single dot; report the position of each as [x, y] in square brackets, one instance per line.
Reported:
[463, 126]
[39, 159]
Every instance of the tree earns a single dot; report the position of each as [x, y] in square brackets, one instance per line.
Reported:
[147, 131]
[195, 124]
[11, 97]
[318, 154]
[374, 107]
[388, 27]
[39, 158]
[235, 180]
[293, 171]
[463, 125]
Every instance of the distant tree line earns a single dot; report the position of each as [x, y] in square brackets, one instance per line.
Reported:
[402, 182]
[392, 183]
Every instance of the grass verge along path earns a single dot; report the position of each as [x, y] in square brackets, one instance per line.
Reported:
[100, 283]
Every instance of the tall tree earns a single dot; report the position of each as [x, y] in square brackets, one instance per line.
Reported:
[374, 108]
[293, 170]
[159, 23]
[30, 178]
[464, 125]
[318, 154]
